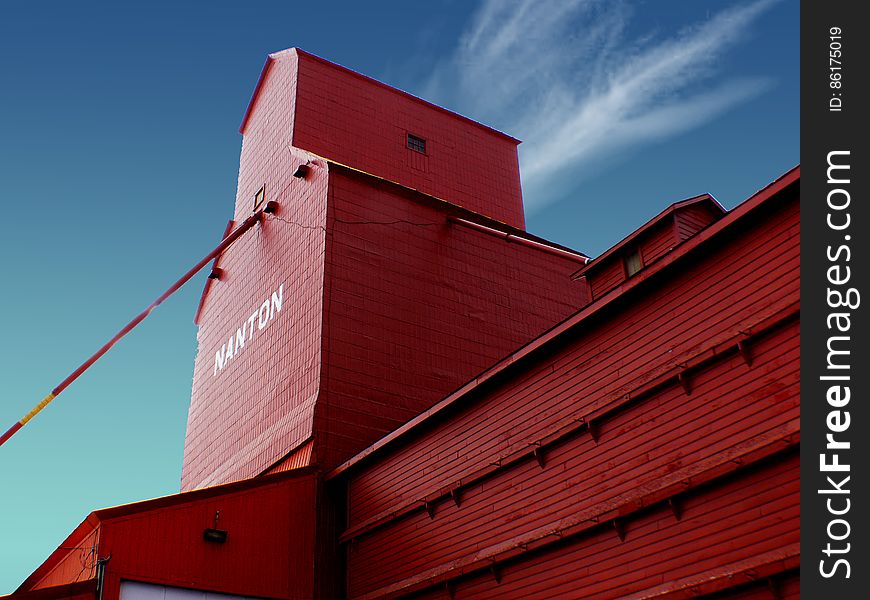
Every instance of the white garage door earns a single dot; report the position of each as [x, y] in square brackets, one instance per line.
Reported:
[134, 590]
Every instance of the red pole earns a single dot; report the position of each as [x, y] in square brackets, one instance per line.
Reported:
[225, 243]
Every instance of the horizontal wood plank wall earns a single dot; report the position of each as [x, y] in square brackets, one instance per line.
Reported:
[658, 241]
[607, 276]
[784, 587]
[661, 435]
[721, 294]
[414, 311]
[734, 284]
[756, 515]
[692, 219]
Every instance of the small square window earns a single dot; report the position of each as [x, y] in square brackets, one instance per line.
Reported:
[259, 197]
[633, 263]
[417, 143]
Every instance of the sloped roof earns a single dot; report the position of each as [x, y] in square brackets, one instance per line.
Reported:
[703, 199]
[739, 213]
[96, 519]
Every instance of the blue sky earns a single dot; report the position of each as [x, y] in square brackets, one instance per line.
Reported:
[119, 156]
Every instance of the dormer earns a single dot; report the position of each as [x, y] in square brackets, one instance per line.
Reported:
[649, 243]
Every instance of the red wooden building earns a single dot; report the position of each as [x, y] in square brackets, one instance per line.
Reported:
[399, 392]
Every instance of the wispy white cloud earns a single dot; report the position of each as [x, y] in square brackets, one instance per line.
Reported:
[566, 77]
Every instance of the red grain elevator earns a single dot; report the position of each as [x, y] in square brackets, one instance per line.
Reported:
[383, 282]
[399, 392]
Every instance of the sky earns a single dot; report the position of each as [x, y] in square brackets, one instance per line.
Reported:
[119, 157]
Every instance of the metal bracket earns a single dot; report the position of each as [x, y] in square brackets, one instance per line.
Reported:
[619, 526]
[539, 456]
[743, 349]
[594, 430]
[684, 381]
[496, 572]
[675, 507]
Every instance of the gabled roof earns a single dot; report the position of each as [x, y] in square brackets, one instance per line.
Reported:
[703, 199]
[96, 518]
[738, 214]
[271, 58]
[80, 590]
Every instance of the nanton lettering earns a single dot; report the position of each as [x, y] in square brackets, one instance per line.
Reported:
[258, 321]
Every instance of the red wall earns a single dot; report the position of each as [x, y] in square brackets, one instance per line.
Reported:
[357, 121]
[414, 311]
[269, 551]
[261, 404]
[652, 241]
[755, 515]
[620, 369]
[692, 219]
[378, 310]
[77, 563]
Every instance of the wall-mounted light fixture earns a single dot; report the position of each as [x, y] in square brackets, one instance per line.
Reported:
[301, 171]
[213, 534]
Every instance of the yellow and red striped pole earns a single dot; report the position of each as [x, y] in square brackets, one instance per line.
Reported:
[225, 243]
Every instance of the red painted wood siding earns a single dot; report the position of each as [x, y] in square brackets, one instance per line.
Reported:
[757, 269]
[607, 276]
[748, 281]
[270, 549]
[79, 564]
[785, 587]
[260, 406]
[407, 306]
[414, 311]
[356, 121]
[654, 240]
[658, 241]
[301, 457]
[651, 245]
[692, 219]
[755, 515]
[662, 435]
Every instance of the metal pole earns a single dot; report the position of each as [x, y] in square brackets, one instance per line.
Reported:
[226, 243]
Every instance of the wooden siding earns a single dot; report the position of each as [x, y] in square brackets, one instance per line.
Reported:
[414, 310]
[744, 527]
[269, 552]
[670, 396]
[652, 241]
[356, 121]
[415, 306]
[692, 219]
[651, 245]
[251, 413]
[607, 276]
[78, 563]
[666, 436]
[301, 457]
[657, 242]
